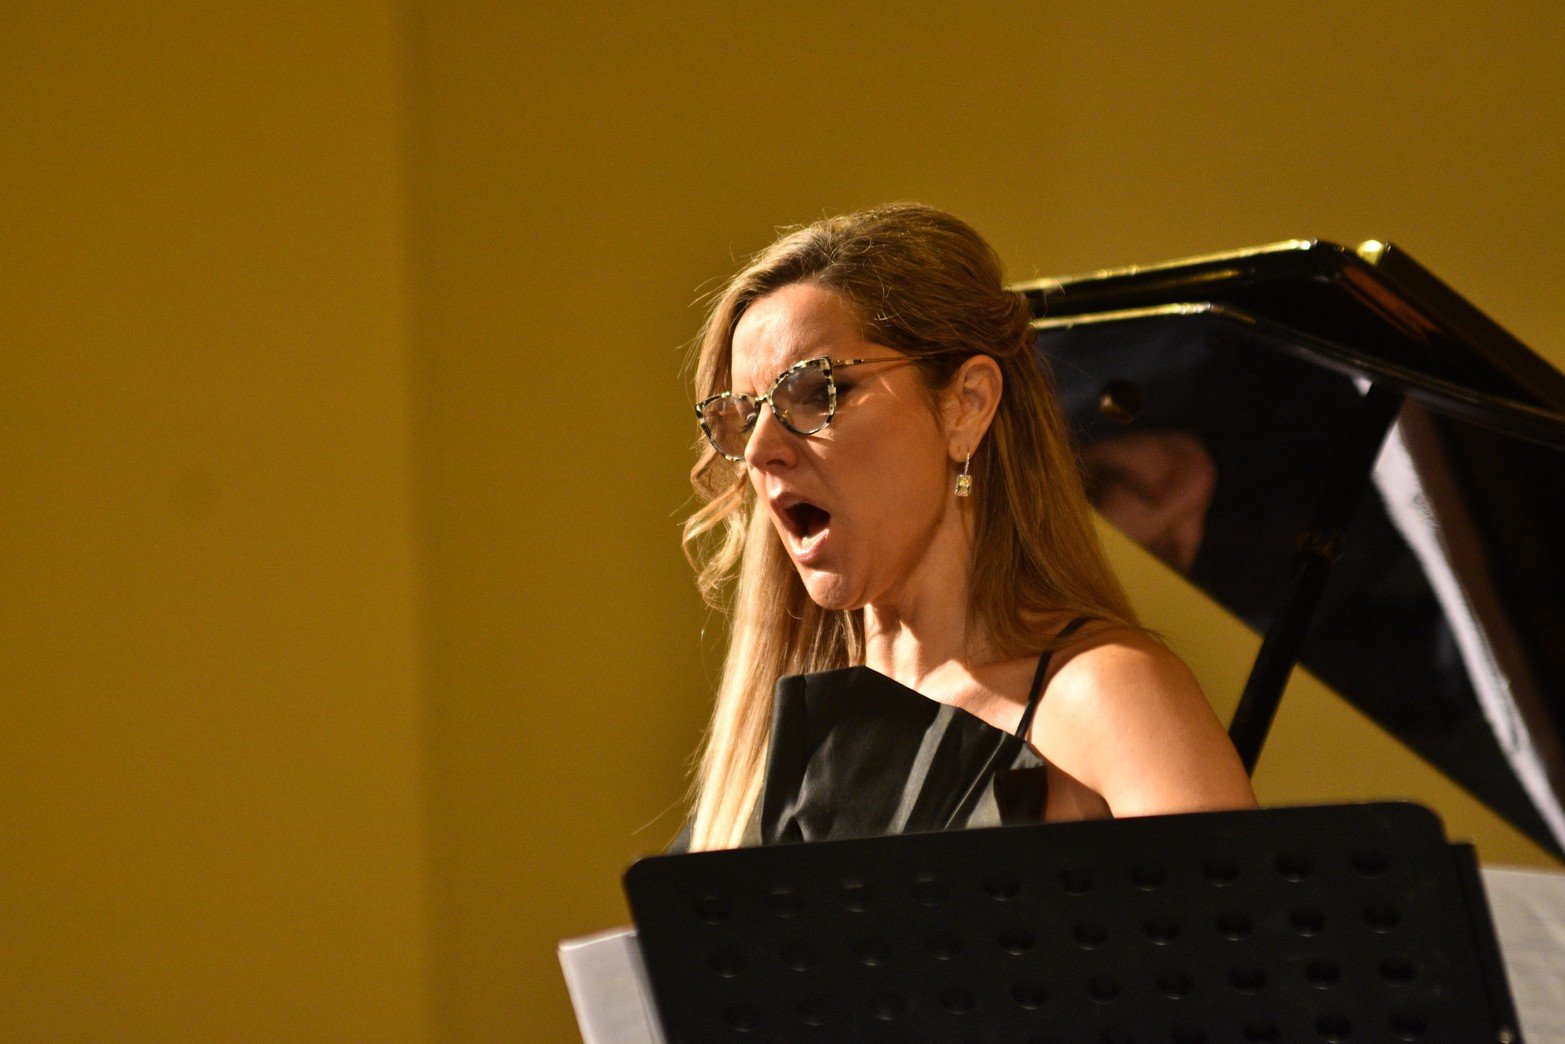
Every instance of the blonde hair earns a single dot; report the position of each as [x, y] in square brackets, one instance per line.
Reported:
[927, 285]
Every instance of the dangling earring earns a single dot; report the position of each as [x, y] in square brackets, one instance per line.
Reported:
[964, 481]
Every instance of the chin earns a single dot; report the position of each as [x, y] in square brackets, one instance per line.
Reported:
[829, 591]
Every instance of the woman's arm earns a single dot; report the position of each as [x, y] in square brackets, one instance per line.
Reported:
[1125, 718]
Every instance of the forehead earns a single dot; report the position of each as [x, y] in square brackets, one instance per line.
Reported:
[799, 321]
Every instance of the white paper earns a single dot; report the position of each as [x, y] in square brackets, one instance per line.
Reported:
[1408, 507]
[609, 990]
[1528, 907]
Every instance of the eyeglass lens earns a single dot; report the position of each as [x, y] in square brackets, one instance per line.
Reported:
[801, 398]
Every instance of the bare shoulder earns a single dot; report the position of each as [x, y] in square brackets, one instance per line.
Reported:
[1108, 664]
[1126, 717]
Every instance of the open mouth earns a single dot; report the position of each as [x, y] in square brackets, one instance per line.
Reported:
[805, 520]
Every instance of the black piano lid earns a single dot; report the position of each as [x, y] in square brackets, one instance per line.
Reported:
[1444, 619]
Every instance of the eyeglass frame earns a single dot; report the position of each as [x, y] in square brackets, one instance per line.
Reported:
[827, 364]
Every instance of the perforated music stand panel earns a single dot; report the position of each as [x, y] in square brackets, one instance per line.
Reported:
[1336, 923]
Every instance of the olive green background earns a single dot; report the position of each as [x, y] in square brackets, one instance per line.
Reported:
[347, 653]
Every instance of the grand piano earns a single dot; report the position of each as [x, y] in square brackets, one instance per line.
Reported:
[1344, 453]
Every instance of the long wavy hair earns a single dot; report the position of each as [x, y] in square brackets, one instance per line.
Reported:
[927, 285]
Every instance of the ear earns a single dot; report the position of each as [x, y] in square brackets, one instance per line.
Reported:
[971, 400]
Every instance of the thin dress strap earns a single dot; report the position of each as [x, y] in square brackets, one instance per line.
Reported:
[1042, 672]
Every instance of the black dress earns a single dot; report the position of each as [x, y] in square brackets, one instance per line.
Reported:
[855, 754]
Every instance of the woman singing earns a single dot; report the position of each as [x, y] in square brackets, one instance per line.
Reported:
[924, 631]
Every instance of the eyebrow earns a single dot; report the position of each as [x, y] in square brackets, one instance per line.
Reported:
[733, 386]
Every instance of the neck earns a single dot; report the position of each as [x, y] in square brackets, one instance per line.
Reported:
[923, 628]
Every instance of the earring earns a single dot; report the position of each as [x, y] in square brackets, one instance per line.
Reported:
[964, 481]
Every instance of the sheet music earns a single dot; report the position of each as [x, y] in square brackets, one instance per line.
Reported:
[609, 989]
[1407, 505]
[1528, 907]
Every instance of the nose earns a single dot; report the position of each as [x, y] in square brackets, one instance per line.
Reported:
[771, 445]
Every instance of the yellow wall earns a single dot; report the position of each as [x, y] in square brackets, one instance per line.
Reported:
[211, 727]
[345, 439]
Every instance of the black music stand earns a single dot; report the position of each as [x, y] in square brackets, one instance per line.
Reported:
[1333, 923]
